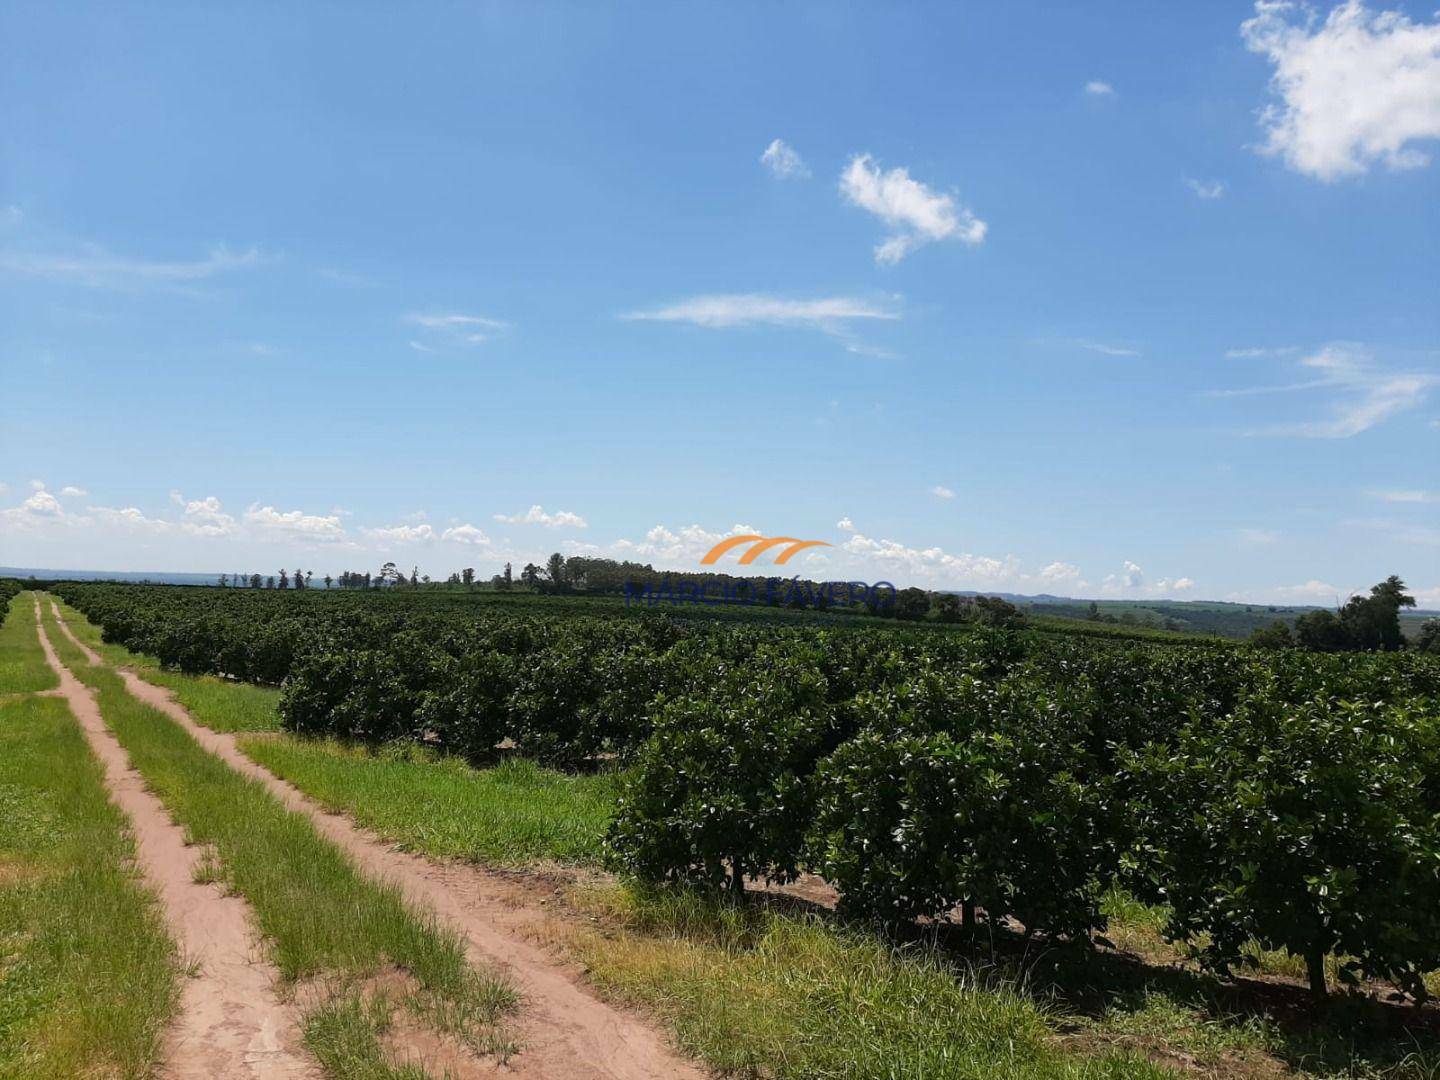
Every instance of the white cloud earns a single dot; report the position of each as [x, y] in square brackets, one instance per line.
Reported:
[453, 330]
[1358, 88]
[1312, 591]
[1256, 354]
[96, 268]
[1059, 572]
[466, 534]
[37, 485]
[1108, 350]
[536, 515]
[1408, 496]
[128, 517]
[1259, 537]
[295, 524]
[915, 214]
[70, 491]
[845, 525]
[1365, 394]
[42, 503]
[782, 160]
[726, 310]
[1206, 189]
[400, 534]
[203, 517]
[1183, 584]
[940, 491]
[1096, 88]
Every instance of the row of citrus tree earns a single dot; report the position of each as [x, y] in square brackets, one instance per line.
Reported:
[1283, 798]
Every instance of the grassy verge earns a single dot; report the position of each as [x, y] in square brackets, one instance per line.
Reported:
[88, 974]
[320, 916]
[514, 814]
[754, 992]
[22, 664]
[219, 704]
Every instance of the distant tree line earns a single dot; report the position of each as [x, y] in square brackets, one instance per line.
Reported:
[1364, 624]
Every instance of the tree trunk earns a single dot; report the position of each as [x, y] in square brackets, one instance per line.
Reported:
[737, 878]
[967, 910]
[1315, 965]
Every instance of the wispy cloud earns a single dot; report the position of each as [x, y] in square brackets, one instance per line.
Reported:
[915, 214]
[70, 491]
[783, 162]
[1364, 394]
[1098, 88]
[1259, 537]
[1411, 495]
[96, 268]
[725, 310]
[453, 330]
[1357, 88]
[1258, 353]
[1107, 350]
[1206, 189]
[940, 491]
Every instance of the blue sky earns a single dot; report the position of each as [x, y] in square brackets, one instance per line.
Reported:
[1125, 301]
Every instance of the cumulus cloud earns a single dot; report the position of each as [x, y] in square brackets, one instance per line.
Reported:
[914, 213]
[400, 534]
[70, 491]
[845, 525]
[783, 162]
[940, 491]
[295, 524]
[129, 517]
[1363, 394]
[466, 534]
[1097, 88]
[1205, 189]
[536, 515]
[203, 517]
[1059, 572]
[37, 485]
[1357, 88]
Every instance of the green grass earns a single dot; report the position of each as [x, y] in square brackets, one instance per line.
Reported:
[22, 663]
[754, 992]
[219, 704]
[88, 974]
[514, 814]
[319, 914]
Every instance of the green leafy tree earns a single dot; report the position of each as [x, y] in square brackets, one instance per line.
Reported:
[1428, 640]
[555, 571]
[912, 604]
[1321, 631]
[1275, 636]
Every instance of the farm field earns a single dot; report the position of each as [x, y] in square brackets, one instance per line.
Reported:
[507, 743]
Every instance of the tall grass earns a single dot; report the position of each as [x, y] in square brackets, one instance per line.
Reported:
[515, 814]
[22, 663]
[88, 973]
